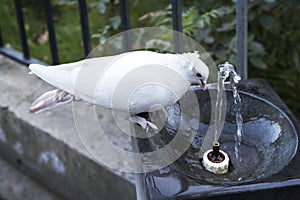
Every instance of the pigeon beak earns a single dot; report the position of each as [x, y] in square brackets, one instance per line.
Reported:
[203, 84]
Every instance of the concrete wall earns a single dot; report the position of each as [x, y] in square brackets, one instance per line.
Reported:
[47, 147]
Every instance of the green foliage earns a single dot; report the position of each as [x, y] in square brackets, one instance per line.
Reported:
[101, 5]
[66, 2]
[273, 38]
[214, 29]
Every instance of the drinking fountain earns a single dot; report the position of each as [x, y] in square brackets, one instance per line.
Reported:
[269, 154]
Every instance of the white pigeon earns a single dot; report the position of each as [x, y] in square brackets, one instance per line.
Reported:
[134, 82]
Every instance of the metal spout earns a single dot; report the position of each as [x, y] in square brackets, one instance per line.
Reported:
[216, 148]
[215, 155]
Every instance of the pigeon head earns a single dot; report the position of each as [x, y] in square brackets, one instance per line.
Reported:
[196, 70]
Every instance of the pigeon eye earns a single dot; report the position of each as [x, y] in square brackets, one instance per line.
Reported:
[199, 75]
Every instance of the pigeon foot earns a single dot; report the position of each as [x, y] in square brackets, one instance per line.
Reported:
[144, 123]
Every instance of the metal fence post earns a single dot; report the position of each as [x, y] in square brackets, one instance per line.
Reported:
[85, 29]
[1, 39]
[177, 25]
[51, 30]
[241, 35]
[22, 31]
[125, 19]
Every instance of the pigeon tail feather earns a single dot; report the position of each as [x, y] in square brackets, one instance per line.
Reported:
[62, 76]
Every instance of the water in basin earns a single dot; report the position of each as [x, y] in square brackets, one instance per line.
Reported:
[268, 145]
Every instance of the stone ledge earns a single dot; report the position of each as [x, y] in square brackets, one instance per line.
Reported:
[47, 146]
[16, 185]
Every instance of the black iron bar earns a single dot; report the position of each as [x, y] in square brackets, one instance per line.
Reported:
[241, 35]
[22, 31]
[18, 56]
[125, 20]
[51, 31]
[177, 25]
[1, 39]
[176, 15]
[85, 29]
[125, 17]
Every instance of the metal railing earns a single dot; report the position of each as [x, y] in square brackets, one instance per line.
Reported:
[24, 56]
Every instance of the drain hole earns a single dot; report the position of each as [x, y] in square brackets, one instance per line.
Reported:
[19, 161]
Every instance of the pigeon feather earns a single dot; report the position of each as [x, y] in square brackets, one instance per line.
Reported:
[138, 81]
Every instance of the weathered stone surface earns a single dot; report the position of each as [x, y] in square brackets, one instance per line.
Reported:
[16, 185]
[47, 146]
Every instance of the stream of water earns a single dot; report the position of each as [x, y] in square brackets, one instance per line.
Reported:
[225, 71]
[219, 103]
[239, 122]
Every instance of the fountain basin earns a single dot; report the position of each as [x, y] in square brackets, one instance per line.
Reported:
[269, 153]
